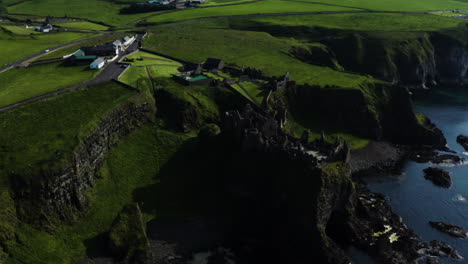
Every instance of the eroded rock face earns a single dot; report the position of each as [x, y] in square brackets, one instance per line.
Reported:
[56, 194]
[463, 141]
[127, 236]
[438, 176]
[441, 249]
[453, 230]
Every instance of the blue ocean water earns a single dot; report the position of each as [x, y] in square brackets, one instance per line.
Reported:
[416, 199]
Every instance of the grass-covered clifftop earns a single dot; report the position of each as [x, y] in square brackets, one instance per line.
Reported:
[38, 142]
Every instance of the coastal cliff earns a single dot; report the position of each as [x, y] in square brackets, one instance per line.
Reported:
[378, 111]
[53, 194]
[416, 60]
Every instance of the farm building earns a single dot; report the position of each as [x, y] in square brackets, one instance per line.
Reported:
[101, 50]
[127, 41]
[117, 44]
[98, 63]
[44, 28]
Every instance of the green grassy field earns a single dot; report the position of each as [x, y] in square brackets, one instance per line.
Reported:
[262, 7]
[19, 84]
[74, 47]
[224, 2]
[53, 126]
[17, 30]
[255, 90]
[296, 125]
[254, 49]
[93, 10]
[367, 22]
[15, 47]
[132, 165]
[151, 67]
[283, 6]
[83, 25]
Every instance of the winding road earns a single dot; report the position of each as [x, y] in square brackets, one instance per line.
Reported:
[110, 71]
[18, 62]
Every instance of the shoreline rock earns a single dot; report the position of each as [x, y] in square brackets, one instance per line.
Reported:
[463, 141]
[453, 230]
[438, 176]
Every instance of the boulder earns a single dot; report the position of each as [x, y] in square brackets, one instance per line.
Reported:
[438, 176]
[463, 141]
[127, 236]
[452, 230]
[442, 249]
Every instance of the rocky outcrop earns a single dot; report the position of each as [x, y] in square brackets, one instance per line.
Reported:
[438, 176]
[420, 60]
[453, 230]
[441, 249]
[262, 133]
[51, 194]
[379, 111]
[463, 141]
[316, 53]
[127, 236]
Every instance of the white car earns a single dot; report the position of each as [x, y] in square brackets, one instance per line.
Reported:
[47, 50]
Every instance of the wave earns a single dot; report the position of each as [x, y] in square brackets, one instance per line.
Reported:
[460, 198]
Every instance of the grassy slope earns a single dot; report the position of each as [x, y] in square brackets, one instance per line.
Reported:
[368, 22]
[42, 134]
[17, 30]
[262, 7]
[83, 25]
[15, 47]
[137, 74]
[255, 49]
[72, 48]
[281, 6]
[23, 83]
[94, 10]
[44, 130]
[133, 164]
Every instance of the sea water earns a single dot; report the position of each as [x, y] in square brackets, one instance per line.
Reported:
[418, 200]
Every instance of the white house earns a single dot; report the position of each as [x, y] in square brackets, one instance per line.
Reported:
[44, 28]
[127, 41]
[98, 63]
[117, 44]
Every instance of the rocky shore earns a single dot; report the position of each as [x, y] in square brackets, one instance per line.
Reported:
[453, 230]
[438, 176]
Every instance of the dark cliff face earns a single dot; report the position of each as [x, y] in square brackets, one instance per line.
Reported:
[380, 112]
[291, 204]
[48, 196]
[417, 60]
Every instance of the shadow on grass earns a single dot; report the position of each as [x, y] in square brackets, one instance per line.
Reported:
[98, 246]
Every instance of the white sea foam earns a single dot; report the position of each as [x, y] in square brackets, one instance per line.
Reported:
[459, 198]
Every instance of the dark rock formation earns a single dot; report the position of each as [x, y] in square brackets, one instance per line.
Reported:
[377, 157]
[427, 154]
[463, 140]
[49, 195]
[438, 176]
[382, 234]
[452, 230]
[389, 118]
[263, 133]
[127, 236]
[441, 249]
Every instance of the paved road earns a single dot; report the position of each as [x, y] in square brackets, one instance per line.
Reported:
[18, 62]
[109, 72]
